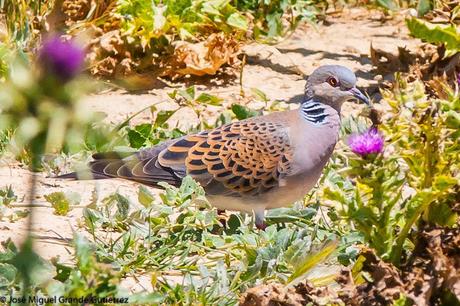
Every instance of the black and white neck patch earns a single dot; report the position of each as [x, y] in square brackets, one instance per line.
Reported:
[313, 112]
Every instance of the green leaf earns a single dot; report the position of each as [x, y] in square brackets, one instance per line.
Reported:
[233, 224]
[123, 205]
[280, 215]
[334, 195]
[238, 21]
[453, 119]
[9, 252]
[388, 4]
[162, 117]
[188, 94]
[442, 215]
[62, 202]
[145, 197]
[444, 182]
[136, 140]
[145, 130]
[83, 252]
[7, 195]
[62, 271]
[312, 260]
[32, 268]
[435, 33]
[348, 255]
[259, 94]
[296, 251]
[209, 7]
[424, 6]
[274, 25]
[7, 274]
[91, 218]
[209, 99]
[242, 112]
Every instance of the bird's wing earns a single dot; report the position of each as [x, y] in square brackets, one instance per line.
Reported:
[242, 158]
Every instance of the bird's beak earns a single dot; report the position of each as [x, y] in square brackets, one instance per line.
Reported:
[356, 93]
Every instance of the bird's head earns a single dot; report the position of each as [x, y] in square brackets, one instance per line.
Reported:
[333, 85]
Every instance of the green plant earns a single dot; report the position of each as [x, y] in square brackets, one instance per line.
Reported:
[6, 56]
[23, 22]
[63, 202]
[367, 200]
[7, 196]
[5, 138]
[422, 6]
[416, 182]
[153, 21]
[22, 19]
[445, 34]
[181, 236]
[22, 268]
[89, 279]
[427, 139]
[147, 135]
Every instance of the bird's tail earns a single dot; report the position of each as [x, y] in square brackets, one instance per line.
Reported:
[83, 175]
[141, 166]
[95, 170]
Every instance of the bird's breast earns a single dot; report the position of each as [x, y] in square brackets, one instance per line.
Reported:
[313, 146]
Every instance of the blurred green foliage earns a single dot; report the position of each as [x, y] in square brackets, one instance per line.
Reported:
[25, 19]
[422, 6]
[7, 196]
[446, 34]
[40, 113]
[62, 202]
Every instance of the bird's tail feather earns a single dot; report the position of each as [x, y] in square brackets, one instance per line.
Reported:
[95, 170]
[131, 166]
[84, 175]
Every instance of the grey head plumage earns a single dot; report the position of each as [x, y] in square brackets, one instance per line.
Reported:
[333, 85]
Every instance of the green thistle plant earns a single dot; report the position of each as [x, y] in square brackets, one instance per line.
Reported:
[425, 137]
[387, 197]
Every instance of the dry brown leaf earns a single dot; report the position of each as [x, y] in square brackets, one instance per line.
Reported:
[298, 295]
[111, 42]
[427, 63]
[201, 58]
[272, 294]
[386, 285]
[85, 10]
[444, 14]
[105, 67]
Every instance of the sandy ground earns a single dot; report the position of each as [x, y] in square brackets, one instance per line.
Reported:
[276, 70]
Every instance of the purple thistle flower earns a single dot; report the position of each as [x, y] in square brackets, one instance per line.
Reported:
[64, 59]
[369, 142]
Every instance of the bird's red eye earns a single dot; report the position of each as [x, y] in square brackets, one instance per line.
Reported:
[333, 81]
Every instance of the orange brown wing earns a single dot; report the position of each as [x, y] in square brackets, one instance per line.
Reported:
[247, 157]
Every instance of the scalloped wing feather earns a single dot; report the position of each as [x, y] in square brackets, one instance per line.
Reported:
[243, 158]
